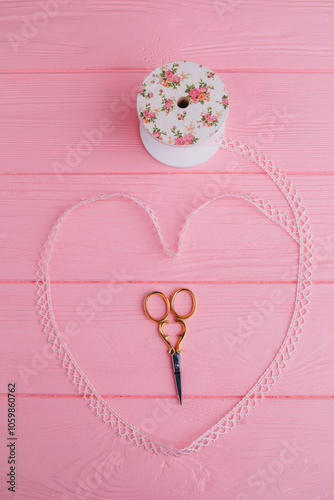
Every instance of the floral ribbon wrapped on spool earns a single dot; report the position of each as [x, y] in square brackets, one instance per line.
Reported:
[181, 106]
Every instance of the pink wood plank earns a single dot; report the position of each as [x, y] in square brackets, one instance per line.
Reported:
[45, 119]
[134, 34]
[118, 235]
[88, 459]
[230, 340]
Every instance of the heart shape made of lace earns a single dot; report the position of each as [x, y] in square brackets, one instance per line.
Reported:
[297, 227]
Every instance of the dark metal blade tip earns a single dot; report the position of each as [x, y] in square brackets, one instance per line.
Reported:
[177, 375]
[179, 393]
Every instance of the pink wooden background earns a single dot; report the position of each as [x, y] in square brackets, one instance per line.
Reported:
[64, 72]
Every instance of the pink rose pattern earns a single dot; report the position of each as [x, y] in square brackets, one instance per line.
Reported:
[224, 101]
[182, 140]
[157, 132]
[170, 77]
[208, 119]
[200, 93]
[181, 116]
[167, 104]
[147, 115]
[142, 91]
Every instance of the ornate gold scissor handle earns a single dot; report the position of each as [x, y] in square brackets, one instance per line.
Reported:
[170, 305]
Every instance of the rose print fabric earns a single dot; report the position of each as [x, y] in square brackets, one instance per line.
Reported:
[182, 103]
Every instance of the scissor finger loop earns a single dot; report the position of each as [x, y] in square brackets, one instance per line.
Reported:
[165, 337]
[181, 335]
[157, 320]
[193, 308]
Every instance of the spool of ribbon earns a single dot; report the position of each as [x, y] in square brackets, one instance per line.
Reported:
[182, 107]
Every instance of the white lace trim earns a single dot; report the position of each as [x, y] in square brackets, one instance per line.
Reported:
[298, 228]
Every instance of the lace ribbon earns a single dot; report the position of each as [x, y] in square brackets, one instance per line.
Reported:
[297, 227]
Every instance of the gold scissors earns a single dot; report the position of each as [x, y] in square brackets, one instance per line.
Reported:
[173, 351]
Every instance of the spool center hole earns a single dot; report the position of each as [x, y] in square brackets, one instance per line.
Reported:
[183, 102]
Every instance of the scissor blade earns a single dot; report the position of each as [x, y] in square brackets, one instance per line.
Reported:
[177, 375]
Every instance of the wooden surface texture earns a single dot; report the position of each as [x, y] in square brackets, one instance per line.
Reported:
[67, 69]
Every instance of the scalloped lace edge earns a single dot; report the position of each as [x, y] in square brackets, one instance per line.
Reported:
[297, 227]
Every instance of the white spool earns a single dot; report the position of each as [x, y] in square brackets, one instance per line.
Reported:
[181, 107]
